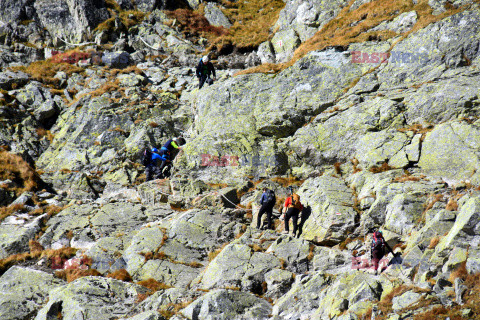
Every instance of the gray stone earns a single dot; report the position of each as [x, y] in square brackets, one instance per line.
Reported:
[118, 59]
[330, 204]
[405, 300]
[215, 16]
[266, 52]
[226, 305]
[23, 291]
[16, 231]
[92, 297]
[284, 44]
[307, 17]
[403, 213]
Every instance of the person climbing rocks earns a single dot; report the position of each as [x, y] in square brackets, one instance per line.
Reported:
[204, 69]
[293, 207]
[268, 202]
[152, 170]
[169, 151]
[378, 249]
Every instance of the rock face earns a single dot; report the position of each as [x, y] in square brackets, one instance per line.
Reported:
[112, 299]
[72, 19]
[23, 291]
[367, 144]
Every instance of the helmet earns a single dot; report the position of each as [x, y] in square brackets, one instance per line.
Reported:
[180, 141]
[205, 59]
[154, 150]
[378, 234]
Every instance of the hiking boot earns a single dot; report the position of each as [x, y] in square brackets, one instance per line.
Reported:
[285, 232]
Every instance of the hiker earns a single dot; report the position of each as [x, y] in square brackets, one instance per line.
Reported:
[268, 202]
[293, 207]
[378, 249]
[150, 161]
[169, 150]
[204, 69]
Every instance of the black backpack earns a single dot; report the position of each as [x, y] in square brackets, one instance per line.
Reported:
[147, 157]
[270, 196]
[378, 244]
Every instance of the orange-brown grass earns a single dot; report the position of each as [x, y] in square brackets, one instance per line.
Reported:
[311, 253]
[153, 124]
[9, 261]
[195, 24]
[34, 246]
[385, 305]
[460, 272]
[153, 285]
[433, 242]
[121, 274]
[6, 211]
[256, 248]
[44, 71]
[384, 167]
[452, 204]
[353, 27]
[213, 254]
[470, 298]
[283, 264]
[355, 163]
[338, 168]
[288, 181]
[128, 18]
[73, 274]
[251, 20]
[172, 309]
[417, 128]
[13, 167]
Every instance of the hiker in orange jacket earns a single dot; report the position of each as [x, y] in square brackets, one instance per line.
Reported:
[293, 207]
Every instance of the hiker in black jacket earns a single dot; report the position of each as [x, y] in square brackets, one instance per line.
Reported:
[204, 69]
[267, 201]
[378, 249]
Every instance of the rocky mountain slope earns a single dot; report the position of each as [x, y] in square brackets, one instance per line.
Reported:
[369, 109]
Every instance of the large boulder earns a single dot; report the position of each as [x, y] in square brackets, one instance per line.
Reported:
[215, 16]
[23, 291]
[306, 17]
[71, 19]
[449, 152]
[330, 204]
[92, 297]
[13, 10]
[16, 231]
[226, 305]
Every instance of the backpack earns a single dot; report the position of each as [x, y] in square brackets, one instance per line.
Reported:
[147, 157]
[378, 244]
[296, 201]
[270, 199]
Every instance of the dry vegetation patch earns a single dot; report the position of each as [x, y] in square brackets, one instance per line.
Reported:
[352, 26]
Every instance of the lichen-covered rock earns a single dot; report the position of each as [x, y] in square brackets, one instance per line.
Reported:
[405, 300]
[331, 204]
[68, 19]
[16, 231]
[23, 291]
[465, 232]
[92, 297]
[307, 17]
[9, 78]
[403, 213]
[215, 16]
[449, 152]
[226, 305]
[284, 44]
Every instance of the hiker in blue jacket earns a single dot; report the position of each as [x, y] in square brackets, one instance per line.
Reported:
[268, 202]
[204, 69]
[153, 169]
